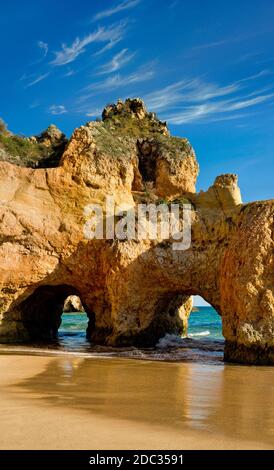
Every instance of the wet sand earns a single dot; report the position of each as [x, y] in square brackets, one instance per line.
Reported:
[70, 402]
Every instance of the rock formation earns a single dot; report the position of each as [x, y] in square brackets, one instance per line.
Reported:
[42, 151]
[134, 291]
[73, 304]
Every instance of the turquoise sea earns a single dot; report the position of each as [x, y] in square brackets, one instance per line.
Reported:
[203, 343]
[204, 322]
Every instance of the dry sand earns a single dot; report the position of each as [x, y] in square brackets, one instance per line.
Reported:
[70, 402]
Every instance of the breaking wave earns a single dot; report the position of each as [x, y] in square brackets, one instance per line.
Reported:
[202, 333]
[204, 342]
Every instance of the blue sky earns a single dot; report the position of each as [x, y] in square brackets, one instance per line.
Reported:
[205, 66]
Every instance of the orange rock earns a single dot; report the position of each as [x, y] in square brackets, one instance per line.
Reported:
[133, 291]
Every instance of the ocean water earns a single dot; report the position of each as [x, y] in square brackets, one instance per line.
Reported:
[204, 342]
[204, 322]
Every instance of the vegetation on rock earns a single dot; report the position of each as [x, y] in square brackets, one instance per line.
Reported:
[34, 152]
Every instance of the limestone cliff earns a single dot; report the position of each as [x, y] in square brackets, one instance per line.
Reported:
[134, 291]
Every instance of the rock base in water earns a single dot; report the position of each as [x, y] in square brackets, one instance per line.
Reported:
[241, 354]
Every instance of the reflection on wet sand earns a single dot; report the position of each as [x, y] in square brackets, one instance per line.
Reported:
[233, 401]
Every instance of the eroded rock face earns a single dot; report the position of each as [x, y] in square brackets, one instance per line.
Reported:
[73, 304]
[52, 137]
[134, 291]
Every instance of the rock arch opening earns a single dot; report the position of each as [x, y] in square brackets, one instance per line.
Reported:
[50, 310]
[72, 332]
[186, 316]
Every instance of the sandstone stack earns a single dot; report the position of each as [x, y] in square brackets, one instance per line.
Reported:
[134, 291]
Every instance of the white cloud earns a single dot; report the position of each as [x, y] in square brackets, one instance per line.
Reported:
[108, 46]
[228, 40]
[68, 54]
[224, 41]
[125, 5]
[198, 112]
[236, 105]
[44, 47]
[69, 73]
[57, 109]
[212, 44]
[262, 73]
[116, 63]
[38, 79]
[116, 81]
[94, 112]
[194, 100]
[191, 113]
[186, 90]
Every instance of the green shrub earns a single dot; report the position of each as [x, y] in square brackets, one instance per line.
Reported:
[23, 152]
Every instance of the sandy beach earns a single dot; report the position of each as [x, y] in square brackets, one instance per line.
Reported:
[69, 402]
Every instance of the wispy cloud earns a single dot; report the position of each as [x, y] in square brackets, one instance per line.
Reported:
[229, 40]
[247, 57]
[68, 54]
[116, 81]
[194, 100]
[38, 79]
[242, 104]
[44, 47]
[69, 73]
[186, 90]
[57, 109]
[116, 63]
[94, 112]
[212, 44]
[125, 5]
[262, 73]
[34, 105]
[108, 46]
[216, 110]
